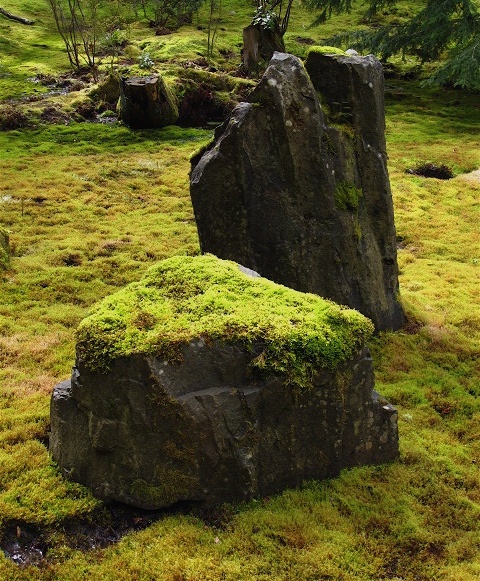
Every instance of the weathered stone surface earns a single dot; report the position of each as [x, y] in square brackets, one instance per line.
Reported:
[208, 425]
[151, 434]
[146, 102]
[301, 198]
[4, 249]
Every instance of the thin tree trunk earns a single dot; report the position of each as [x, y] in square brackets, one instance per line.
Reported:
[17, 18]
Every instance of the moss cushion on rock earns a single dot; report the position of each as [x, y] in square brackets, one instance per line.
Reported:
[325, 49]
[184, 298]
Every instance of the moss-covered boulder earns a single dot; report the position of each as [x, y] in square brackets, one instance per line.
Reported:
[204, 383]
[4, 250]
[107, 90]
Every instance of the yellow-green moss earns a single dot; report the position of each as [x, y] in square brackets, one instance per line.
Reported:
[171, 483]
[325, 49]
[183, 298]
[347, 197]
[108, 89]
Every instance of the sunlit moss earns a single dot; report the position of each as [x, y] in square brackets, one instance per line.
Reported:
[184, 298]
[347, 196]
[4, 249]
[325, 49]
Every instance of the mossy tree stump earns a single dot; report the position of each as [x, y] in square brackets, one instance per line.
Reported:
[259, 44]
[146, 102]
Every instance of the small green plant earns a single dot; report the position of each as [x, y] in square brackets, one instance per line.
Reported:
[273, 15]
[265, 19]
[145, 61]
[112, 45]
[214, 19]
[78, 23]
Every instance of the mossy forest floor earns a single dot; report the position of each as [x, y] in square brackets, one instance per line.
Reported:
[89, 207]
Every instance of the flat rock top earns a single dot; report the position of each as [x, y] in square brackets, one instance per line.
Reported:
[185, 298]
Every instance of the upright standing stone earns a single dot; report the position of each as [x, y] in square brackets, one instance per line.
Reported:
[302, 199]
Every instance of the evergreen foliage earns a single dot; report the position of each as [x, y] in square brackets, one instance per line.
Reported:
[442, 28]
[168, 12]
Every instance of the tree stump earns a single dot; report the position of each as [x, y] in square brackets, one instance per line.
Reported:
[259, 44]
[146, 102]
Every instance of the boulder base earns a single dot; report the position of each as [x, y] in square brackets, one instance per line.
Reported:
[151, 434]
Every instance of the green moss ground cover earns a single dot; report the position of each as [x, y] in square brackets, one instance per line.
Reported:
[89, 208]
[26, 51]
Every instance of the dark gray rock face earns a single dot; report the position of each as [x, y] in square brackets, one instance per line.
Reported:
[151, 434]
[146, 102]
[301, 198]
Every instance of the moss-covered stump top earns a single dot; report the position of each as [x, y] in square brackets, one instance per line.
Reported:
[184, 298]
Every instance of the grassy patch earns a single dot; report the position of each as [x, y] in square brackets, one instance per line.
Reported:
[27, 51]
[87, 208]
